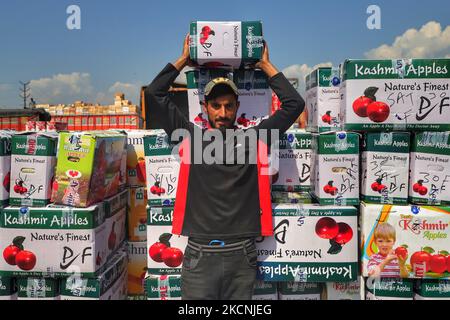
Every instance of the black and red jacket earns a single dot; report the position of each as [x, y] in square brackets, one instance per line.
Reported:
[223, 201]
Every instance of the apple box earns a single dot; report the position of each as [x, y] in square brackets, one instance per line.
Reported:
[8, 288]
[389, 289]
[163, 287]
[37, 289]
[335, 168]
[137, 267]
[110, 284]
[312, 243]
[323, 100]
[5, 168]
[291, 162]
[265, 290]
[160, 239]
[162, 166]
[396, 94]
[345, 291]
[57, 240]
[229, 43]
[137, 214]
[136, 175]
[432, 290]
[88, 168]
[385, 167]
[430, 169]
[419, 236]
[255, 95]
[300, 291]
[116, 215]
[33, 158]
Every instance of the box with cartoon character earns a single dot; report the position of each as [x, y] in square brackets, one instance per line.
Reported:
[88, 168]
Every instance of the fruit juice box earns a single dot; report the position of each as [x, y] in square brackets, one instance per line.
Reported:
[111, 284]
[335, 168]
[291, 164]
[279, 197]
[53, 241]
[432, 290]
[398, 94]
[88, 168]
[116, 215]
[344, 291]
[163, 287]
[430, 169]
[136, 173]
[5, 168]
[38, 289]
[162, 167]
[137, 214]
[226, 43]
[300, 291]
[419, 235]
[323, 100]
[137, 267]
[389, 289]
[311, 243]
[8, 288]
[33, 158]
[265, 290]
[166, 251]
[255, 95]
[385, 167]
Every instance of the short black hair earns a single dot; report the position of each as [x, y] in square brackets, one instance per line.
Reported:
[220, 90]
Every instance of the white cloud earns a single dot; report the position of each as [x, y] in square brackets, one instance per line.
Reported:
[62, 88]
[428, 42]
[300, 71]
[4, 87]
[131, 90]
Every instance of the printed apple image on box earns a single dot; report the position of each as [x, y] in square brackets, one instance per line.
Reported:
[163, 287]
[165, 250]
[5, 168]
[110, 284]
[254, 98]
[38, 289]
[291, 162]
[385, 167]
[405, 241]
[300, 291]
[137, 267]
[265, 290]
[137, 214]
[33, 158]
[226, 43]
[323, 100]
[88, 168]
[8, 288]
[432, 290]
[136, 172]
[311, 243]
[389, 289]
[116, 215]
[345, 290]
[279, 197]
[53, 241]
[162, 167]
[430, 169]
[335, 168]
[396, 94]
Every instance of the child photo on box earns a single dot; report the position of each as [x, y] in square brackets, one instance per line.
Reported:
[385, 263]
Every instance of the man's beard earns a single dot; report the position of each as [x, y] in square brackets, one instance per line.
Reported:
[222, 128]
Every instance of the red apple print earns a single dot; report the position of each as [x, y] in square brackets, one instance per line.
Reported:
[361, 104]
[423, 190]
[112, 238]
[206, 30]
[140, 170]
[329, 187]
[155, 189]
[438, 263]
[378, 111]
[156, 251]
[374, 186]
[420, 258]
[333, 191]
[402, 252]
[26, 260]
[10, 252]
[417, 186]
[327, 117]
[344, 235]
[172, 257]
[448, 263]
[327, 228]
[7, 181]
[381, 188]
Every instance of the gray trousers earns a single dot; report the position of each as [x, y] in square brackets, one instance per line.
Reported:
[219, 272]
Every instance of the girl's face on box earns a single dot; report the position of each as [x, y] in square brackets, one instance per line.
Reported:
[385, 245]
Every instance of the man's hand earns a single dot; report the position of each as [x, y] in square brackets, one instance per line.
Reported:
[265, 65]
[185, 59]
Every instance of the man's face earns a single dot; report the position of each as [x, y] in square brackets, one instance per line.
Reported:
[222, 111]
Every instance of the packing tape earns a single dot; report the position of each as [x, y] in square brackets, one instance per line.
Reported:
[400, 65]
[36, 288]
[434, 138]
[386, 138]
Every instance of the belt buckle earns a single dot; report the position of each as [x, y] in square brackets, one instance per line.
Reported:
[217, 243]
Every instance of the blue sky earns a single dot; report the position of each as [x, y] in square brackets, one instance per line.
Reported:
[123, 45]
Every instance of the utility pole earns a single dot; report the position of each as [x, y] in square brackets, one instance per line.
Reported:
[25, 93]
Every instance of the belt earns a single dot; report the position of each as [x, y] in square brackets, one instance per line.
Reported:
[246, 244]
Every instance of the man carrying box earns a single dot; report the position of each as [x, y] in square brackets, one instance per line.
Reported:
[221, 207]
